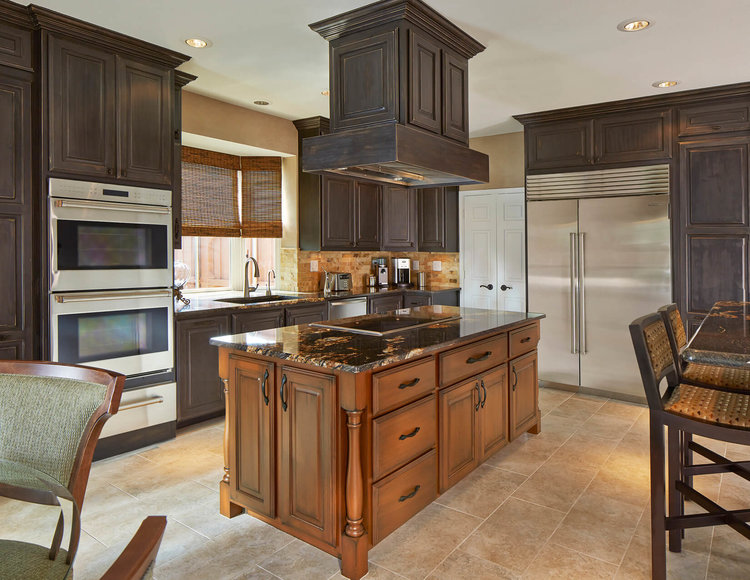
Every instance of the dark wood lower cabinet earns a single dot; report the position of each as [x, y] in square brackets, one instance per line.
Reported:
[414, 300]
[251, 451]
[306, 313]
[254, 320]
[306, 416]
[524, 394]
[378, 304]
[199, 390]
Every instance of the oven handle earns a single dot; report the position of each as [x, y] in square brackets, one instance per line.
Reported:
[61, 298]
[141, 403]
[112, 206]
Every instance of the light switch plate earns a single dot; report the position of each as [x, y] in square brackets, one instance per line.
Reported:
[437, 266]
[313, 265]
[415, 265]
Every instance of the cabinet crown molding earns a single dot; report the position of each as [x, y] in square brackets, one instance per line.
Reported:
[393, 11]
[81, 31]
[13, 13]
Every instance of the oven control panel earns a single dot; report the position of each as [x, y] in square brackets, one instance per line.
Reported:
[72, 189]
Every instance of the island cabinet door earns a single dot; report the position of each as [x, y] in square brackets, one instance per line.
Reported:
[493, 411]
[251, 458]
[459, 408]
[524, 394]
[306, 413]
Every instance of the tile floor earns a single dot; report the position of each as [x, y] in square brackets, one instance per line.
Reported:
[568, 503]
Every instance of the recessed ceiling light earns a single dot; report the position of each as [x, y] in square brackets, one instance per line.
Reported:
[198, 42]
[634, 25]
[325, 92]
[262, 102]
[664, 84]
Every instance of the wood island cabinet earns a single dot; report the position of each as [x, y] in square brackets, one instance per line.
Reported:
[340, 458]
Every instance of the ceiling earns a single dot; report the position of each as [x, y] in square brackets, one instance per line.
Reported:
[541, 54]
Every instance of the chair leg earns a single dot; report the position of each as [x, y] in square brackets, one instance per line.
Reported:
[674, 460]
[658, 526]
[688, 457]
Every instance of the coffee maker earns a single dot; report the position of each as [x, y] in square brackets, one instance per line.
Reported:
[380, 269]
[401, 271]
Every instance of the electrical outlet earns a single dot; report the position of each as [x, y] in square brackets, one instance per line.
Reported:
[313, 265]
[415, 265]
[437, 266]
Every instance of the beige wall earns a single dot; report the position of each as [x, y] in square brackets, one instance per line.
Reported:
[506, 160]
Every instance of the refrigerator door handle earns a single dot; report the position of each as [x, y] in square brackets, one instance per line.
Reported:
[573, 293]
[582, 291]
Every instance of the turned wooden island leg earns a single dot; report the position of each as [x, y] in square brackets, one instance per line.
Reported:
[226, 507]
[354, 540]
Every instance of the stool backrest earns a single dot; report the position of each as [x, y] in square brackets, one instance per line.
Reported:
[675, 329]
[654, 354]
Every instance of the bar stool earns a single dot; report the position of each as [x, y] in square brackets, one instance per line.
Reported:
[712, 376]
[685, 410]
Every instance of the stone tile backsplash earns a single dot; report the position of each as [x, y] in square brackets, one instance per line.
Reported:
[295, 274]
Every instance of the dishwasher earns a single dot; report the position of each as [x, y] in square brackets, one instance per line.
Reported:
[347, 307]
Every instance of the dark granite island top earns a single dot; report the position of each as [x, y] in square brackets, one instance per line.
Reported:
[723, 337]
[356, 353]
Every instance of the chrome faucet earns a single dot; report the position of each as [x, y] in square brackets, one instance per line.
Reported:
[256, 273]
[268, 286]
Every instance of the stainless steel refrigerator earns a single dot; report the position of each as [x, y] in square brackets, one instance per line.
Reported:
[598, 257]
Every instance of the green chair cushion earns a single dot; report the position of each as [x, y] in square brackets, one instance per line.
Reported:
[24, 561]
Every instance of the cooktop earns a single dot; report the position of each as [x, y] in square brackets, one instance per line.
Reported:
[382, 324]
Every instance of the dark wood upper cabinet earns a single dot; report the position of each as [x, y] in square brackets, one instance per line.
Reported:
[456, 97]
[364, 80]
[399, 218]
[566, 144]
[638, 136]
[82, 109]
[338, 213]
[15, 46]
[145, 101]
[367, 215]
[438, 219]
[714, 117]
[425, 97]
[17, 334]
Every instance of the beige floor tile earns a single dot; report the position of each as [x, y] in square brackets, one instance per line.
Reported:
[512, 536]
[300, 561]
[481, 491]
[598, 526]
[557, 562]
[606, 426]
[577, 409]
[734, 493]
[624, 477]
[254, 573]
[462, 566]
[730, 556]
[557, 484]
[621, 409]
[737, 452]
[524, 456]
[585, 449]
[551, 398]
[636, 564]
[374, 572]
[415, 548]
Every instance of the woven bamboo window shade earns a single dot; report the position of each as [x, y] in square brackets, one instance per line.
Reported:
[210, 205]
[261, 197]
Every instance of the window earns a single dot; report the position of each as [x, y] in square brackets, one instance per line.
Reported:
[219, 263]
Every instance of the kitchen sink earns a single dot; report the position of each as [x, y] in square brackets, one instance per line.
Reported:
[257, 299]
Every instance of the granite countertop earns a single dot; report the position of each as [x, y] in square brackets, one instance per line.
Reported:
[207, 302]
[357, 353]
[723, 337]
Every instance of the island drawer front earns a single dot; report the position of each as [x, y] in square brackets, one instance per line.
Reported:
[402, 435]
[405, 383]
[472, 359]
[398, 497]
[523, 340]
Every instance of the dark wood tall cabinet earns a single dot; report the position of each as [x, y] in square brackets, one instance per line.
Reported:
[438, 219]
[17, 259]
[399, 218]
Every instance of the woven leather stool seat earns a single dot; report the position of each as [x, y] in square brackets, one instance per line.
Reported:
[727, 377]
[710, 406]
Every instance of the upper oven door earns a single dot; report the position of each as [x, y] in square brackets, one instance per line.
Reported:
[96, 245]
[127, 332]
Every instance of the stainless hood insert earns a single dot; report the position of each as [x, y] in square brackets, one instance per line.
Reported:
[398, 98]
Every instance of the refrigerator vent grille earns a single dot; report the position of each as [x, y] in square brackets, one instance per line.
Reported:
[647, 180]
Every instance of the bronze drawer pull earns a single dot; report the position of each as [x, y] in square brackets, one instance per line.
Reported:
[281, 392]
[475, 359]
[527, 339]
[409, 384]
[412, 434]
[410, 495]
[263, 387]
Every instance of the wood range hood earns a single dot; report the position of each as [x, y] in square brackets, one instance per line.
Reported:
[398, 98]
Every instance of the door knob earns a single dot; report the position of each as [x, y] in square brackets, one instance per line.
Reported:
[488, 286]
[503, 287]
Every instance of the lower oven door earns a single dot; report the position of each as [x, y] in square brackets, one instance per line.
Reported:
[97, 245]
[142, 408]
[129, 332]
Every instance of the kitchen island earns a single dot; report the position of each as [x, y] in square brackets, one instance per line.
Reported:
[339, 436]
